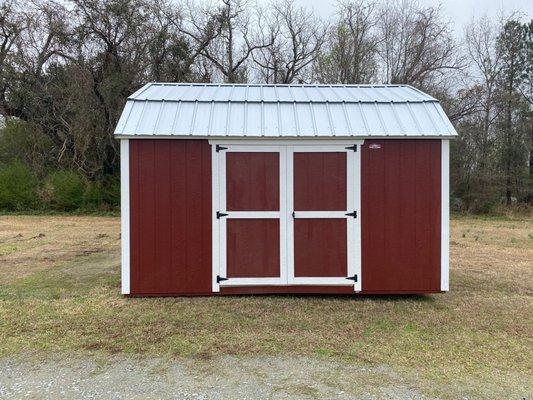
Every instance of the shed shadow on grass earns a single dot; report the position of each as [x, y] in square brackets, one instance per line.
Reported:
[420, 298]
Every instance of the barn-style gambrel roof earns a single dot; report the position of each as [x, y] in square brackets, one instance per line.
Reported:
[274, 111]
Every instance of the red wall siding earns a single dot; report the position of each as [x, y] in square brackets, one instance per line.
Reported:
[400, 211]
[170, 201]
[170, 183]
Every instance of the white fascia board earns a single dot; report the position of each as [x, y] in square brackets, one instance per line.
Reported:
[295, 139]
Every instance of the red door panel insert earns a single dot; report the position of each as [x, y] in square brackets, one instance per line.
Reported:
[253, 248]
[319, 181]
[252, 181]
[320, 247]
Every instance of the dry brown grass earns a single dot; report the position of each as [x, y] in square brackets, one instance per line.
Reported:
[60, 292]
[29, 244]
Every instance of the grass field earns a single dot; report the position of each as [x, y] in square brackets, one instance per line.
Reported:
[59, 293]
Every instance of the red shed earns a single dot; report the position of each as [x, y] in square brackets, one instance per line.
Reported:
[234, 189]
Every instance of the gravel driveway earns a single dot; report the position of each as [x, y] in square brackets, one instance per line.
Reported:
[91, 377]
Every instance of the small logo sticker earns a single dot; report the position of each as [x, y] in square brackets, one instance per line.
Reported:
[374, 146]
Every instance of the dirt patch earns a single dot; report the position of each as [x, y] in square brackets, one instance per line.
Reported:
[218, 378]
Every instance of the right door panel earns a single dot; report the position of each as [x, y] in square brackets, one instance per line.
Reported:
[324, 219]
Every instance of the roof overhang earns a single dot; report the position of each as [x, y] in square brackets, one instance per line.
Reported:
[282, 111]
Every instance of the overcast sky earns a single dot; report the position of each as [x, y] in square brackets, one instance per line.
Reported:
[459, 12]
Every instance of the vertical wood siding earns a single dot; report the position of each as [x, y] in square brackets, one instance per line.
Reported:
[400, 211]
[170, 203]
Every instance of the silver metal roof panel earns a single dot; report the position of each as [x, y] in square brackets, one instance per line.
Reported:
[219, 110]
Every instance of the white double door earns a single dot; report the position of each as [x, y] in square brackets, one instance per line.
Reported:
[286, 214]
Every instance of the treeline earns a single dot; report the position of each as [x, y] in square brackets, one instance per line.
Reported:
[67, 67]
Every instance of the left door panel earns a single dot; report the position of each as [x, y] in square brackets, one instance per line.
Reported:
[251, 215]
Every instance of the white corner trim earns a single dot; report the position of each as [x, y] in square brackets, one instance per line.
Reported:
[445, 217]
[215, 228]
[356, 168]
[125, 214]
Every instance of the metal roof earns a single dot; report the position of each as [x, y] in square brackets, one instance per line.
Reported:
[230, 110]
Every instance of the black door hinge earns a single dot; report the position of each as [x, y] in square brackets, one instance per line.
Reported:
[352, 214]
[353, 278]
[220, 279]
[354, 147]
[220, 214]
[293, 214]
[219, 147]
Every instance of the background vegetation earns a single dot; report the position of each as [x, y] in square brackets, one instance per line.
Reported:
[67, 67]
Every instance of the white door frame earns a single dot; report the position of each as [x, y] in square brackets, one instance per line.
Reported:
[286, 149]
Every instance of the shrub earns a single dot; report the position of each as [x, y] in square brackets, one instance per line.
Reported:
[111, 190]
[20, 140]
[103, 194]
[93, 195]
[64, 190]
[17, 187]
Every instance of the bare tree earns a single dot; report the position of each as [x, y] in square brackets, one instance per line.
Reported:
[42, 33]
[296, 37]
[172, 56]
[480, 37]
[67, 67]
[12, 24]
[199, 26]
[112, 44]
[352, 42]
[515, 122]
[416, 45]
[492, 148]
[224, 36]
